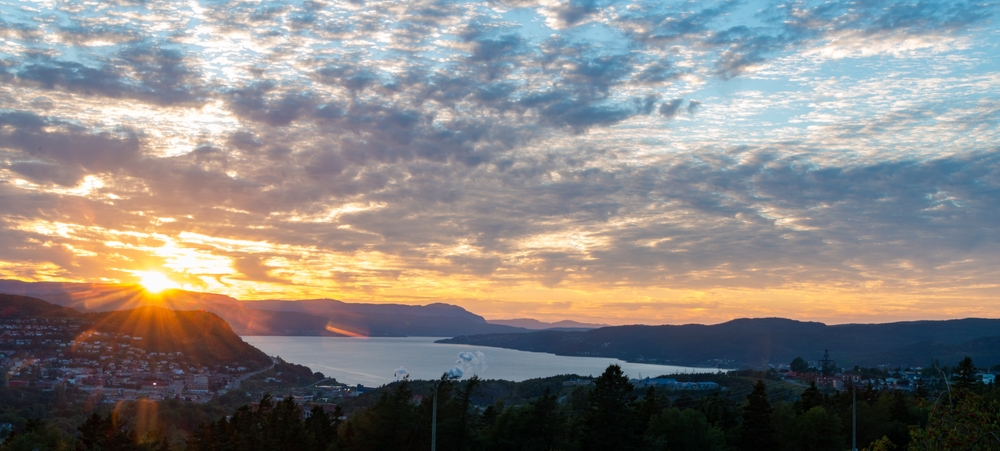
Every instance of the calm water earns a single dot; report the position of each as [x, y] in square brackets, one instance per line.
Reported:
[373, 361]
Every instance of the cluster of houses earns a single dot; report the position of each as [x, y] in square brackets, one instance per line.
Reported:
[906, 380]
[48, 352]
[673, 384]
[658, 382]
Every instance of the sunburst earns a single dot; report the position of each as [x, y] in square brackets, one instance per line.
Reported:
[155, 282]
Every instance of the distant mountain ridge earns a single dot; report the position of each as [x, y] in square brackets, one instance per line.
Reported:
[534, 324]
[325, 317]
[758, 342]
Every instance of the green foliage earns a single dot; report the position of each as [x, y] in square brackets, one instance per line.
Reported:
[799, 365]
[682, 430]
[109, 433]
[37, 435]
[971, 424]
[268, 426]
[819, 430]
[537, 426]
[540, 415]
[757, 433]
[809, 399]
[965, 375]
[609, 422]
[882, 444]
[368, 428]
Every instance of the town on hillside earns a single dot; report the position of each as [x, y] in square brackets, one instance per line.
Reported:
[49, 352]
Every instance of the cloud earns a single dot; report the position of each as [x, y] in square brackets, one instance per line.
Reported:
[693, 106]
[62, 153]
[142, 72]
[447, 151]
[669, 109]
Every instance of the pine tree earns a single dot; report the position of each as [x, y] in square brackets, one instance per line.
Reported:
[648, 407]
[757, 432]
[810, 398]
[609, 421]
[966, 374]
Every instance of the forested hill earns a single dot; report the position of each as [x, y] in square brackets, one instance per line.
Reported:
[13, 306]
[755, 342]
[200, 335]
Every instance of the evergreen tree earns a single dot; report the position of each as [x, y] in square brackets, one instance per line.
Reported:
[391, 423]
[99, 433]
[545, 423]
[321, 428]
[819, 430]
[683, 430]
[648, 407]
[609, 421]
[36, 435]
[538, 426]
[810, 398]
[757, 433]
[920, 389]
[965, 375]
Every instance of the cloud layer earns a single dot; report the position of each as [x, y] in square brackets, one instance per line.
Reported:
[634, 162]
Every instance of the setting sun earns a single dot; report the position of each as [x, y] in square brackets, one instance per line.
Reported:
[155, 282]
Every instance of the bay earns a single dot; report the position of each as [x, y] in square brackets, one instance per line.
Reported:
[374, 361]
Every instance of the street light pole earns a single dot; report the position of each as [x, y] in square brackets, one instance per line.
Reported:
[854, 419]
[434, 420]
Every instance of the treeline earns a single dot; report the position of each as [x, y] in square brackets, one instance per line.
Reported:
[608, 415]
[611, 416]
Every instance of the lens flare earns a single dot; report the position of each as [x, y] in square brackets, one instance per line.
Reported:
[155, 282]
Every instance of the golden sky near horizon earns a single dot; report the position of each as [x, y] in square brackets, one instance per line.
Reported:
[622, 162]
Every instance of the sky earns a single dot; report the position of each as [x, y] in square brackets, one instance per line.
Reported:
[623, 162]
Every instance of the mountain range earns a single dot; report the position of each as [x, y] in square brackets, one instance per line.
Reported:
[325, 317]
[534, 324]
[762, 341]
[737, 343]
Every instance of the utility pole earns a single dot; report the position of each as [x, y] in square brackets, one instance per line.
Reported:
[854, 419]
[826, 366]
[434, 420]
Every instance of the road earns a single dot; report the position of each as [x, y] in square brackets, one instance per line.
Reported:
[239, 380]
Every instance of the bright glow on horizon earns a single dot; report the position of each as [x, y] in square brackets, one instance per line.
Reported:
[155, 282]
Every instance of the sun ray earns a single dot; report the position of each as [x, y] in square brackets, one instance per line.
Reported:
[155, 282]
